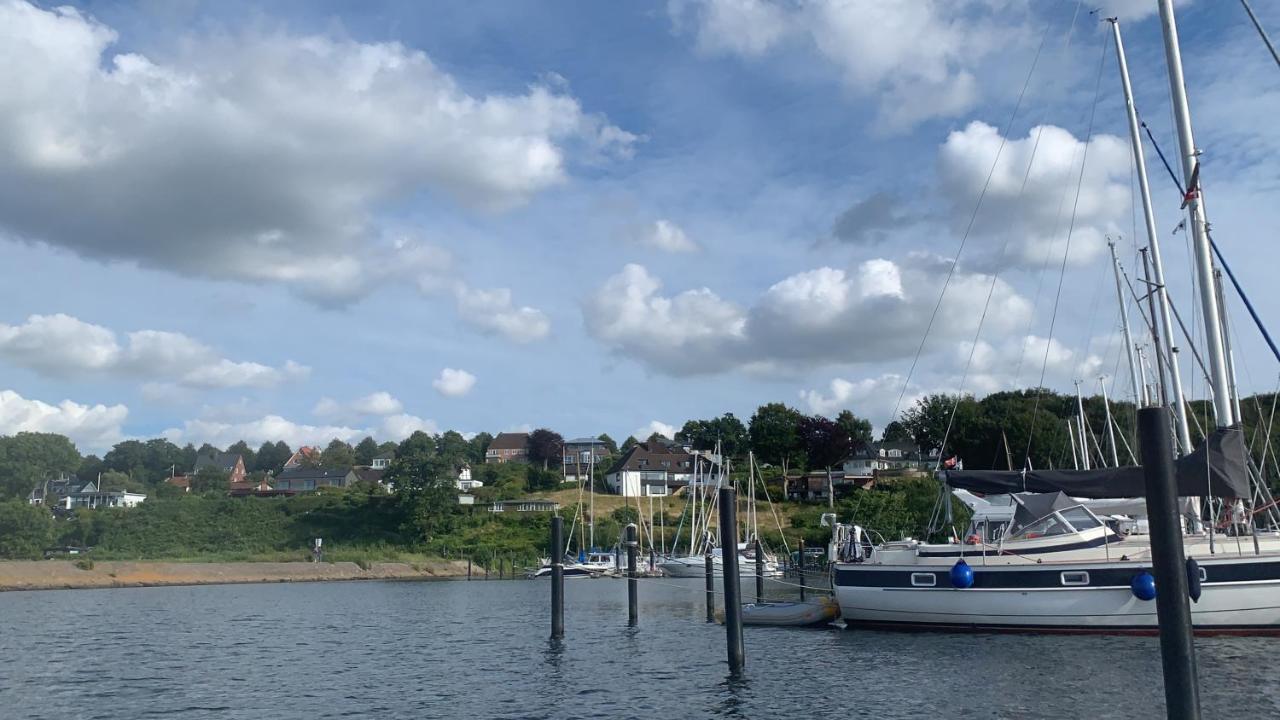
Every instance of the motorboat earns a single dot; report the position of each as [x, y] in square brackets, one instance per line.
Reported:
[696, 565]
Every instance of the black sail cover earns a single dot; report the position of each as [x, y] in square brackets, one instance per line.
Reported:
[1215, 468]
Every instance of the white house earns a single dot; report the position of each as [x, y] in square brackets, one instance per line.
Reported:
[91, 497]
[650, 469]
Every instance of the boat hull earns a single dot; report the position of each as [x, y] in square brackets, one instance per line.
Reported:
[1239, 596]
[791, 614]
[697, 567]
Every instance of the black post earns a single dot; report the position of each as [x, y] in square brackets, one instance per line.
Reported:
[633, 595]
[468, 567]
[729, 571]
[759, 571]
[801, 564]
[557, 578]
[711, 589]
[1177, 648]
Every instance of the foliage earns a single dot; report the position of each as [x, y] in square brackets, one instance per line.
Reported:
[774, 432]
[538, 479]
[825, 443]
[546, 447]
[704, 434]
[625, 514]
[366, 450]
[31, 457]
[424, 483]
[478, 445]
[271, 457]
[210, 481]
[453, 448]
[337, 454]
[896, 431]
[609, 444]
[246, 454]
[899, 509]
[627, 444]
[857, 429]
[115, 480]
[25, 530]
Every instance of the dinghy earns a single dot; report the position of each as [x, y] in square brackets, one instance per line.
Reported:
[819, 611]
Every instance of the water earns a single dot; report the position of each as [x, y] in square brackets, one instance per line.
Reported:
[480, 650]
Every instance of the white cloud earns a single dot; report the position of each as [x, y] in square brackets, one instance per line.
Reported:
[876, 312]
[492, 312]
[1035, 217]
[453, 382]
[92, 427]
[263, 155]
[63, 346]
[917, 58]
[666, 236]
[871, 398]
[379, 403]
[655, 426]
[272, 428]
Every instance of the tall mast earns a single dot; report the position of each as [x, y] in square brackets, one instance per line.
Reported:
[1138, 394]
[591, 480]
[1075, 455]
[1111, 426]
[1153, 242]
[1223, 411]
[1084, 436]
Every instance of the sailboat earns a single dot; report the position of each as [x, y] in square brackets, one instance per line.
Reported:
[590, 560]
[1064, 550]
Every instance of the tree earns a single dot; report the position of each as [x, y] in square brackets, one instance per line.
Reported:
[609, 444]
[453, 448]
[896, 432]
[774, 435]
[826, 444]
[657, 437]
[271, 457]
[89, 469]
[366, 451]
[545, 446]
[115, 480]
[627, 444]
[858, 429]
[478, 446]
[245, 452]
[210, 480]
[25, 530]
[424, 484]
[32, 457]
[337, 454]
[726, 430]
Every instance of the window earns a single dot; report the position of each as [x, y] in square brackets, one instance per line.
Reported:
[1080, 518]
[666, 463]
[924, 579]
[282, 485]
[1075, 577]
[1044, 527]
[308, 484]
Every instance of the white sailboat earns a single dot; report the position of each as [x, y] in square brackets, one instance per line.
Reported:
[1052, 559]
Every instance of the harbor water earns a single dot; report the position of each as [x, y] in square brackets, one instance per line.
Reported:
[481, 650]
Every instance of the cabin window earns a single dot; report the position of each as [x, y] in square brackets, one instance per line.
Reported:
[924, 579]
[1075, 577]
[1045, 527]
[1080, 518]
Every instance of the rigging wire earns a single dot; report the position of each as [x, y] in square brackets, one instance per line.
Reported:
[1053, 318]
[1261, 33]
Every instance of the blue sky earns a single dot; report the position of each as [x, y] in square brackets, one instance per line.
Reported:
[287, 220]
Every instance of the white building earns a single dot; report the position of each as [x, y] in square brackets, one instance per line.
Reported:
[91, 497]
[650, 469]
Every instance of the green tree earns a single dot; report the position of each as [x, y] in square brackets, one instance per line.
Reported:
[89, 469]
[271, 457]
[478, 446]
[117, 481]
[337, 454]
[774, 432]
[627, 444]
[25, 530]
[858, 429]
[546, 447]
[30, 457]
[210, 481]
[453, 448]
[895, 431]
[826, 445]
[609, 444]
[366, 451]
[625, 514]
[425, 487]
[246, 453]
[726, 430]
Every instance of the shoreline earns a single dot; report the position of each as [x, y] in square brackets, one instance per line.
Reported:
[19, 575]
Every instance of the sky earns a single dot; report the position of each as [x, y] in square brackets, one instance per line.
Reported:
[305, 220]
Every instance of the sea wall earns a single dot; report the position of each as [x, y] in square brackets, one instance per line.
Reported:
[63, 574]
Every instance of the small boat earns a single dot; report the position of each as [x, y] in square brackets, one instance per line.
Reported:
[594, 564]
[805, 613]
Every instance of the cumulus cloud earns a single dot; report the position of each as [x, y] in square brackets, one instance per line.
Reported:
[273, 428]
[876, 311]
[492, 312]
[90, 426]
[874, 398]
[263, 155]
[1035, 217]
[917, 58]
[1016, 362]
[454, 383]
[655, 426]
[63, 346]
[869, 220]
[666, 236]
[379, 403]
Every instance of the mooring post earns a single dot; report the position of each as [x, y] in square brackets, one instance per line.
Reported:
[731, 582]
[801, 565]
[468, 567]
[1177, 647]
[633, 594]
[711, 589]
[759, 571]
[557, 578]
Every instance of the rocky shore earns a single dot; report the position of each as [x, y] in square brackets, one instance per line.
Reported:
[65, 574]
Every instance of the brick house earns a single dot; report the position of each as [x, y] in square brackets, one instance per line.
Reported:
[508, 447]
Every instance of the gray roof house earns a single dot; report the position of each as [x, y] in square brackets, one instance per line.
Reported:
[302, 479]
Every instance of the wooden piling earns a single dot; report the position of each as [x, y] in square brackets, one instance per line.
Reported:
[759, 571]
[633, 595]
[731, 579]
[711, 589]
[557, 578]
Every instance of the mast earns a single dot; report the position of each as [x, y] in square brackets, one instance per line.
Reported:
[1084, 436]
[1111, 427]
[1138, 394]
[1223, 411]
[1153, 242]
[591, 480]
[1075, 457]
[1226, 341]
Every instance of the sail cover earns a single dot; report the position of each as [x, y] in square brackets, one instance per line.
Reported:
[1216, 468]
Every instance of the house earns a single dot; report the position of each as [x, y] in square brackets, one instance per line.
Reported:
[508, 447]
[262, 488]
[651, 469]
[813, 485]
[302, 456]
[182, 482]
[580, 454]
[382, 461]
[891, 457]
[465, 499]
[230, 463]
[468, 485]
[49, 491]
[89, 496]
[303, 479]
[525, 505]
[370, 475]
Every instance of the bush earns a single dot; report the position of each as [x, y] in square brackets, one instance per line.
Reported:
[25, 530]
[84, 564]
